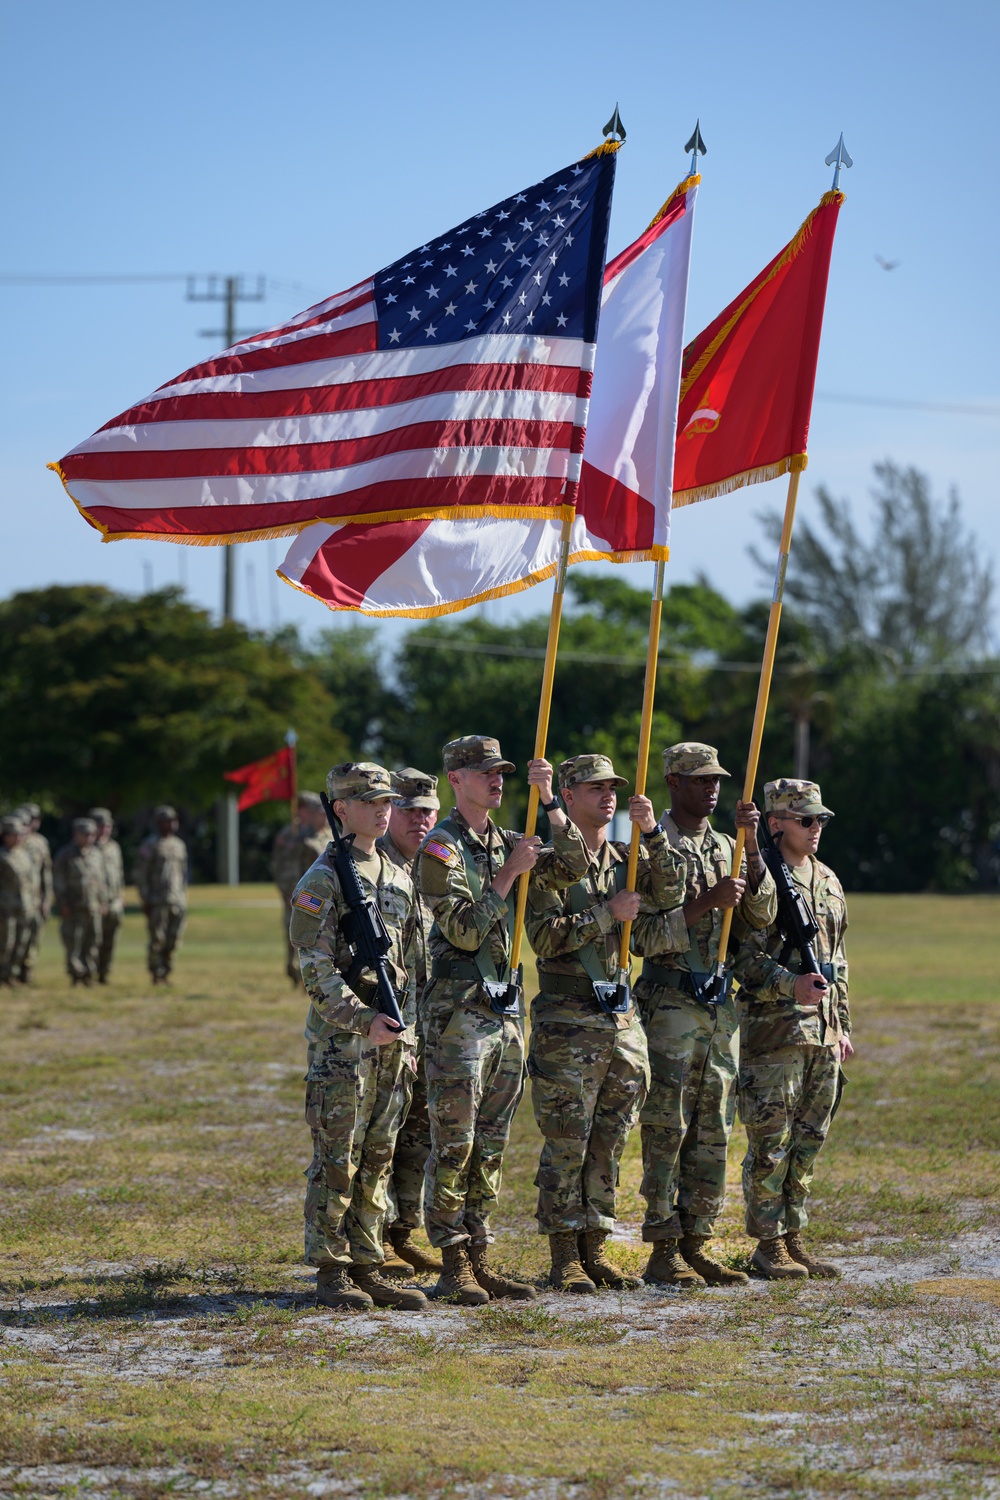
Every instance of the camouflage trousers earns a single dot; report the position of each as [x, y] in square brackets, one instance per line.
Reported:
[356, 1096]
[786, 1104]
[587, 1086]
[413, 1148]
[688, 1115]
[475, 1079]
[111, 924]
[28, 951]
[166, 923]
[13, 940]
[81, 936]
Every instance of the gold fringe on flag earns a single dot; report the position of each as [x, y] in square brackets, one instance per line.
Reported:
[794, 464]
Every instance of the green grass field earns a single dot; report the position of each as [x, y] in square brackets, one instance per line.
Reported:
[158, 1336]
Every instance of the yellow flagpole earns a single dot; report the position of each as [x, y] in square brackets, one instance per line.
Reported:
[763, 693]
[645, 735]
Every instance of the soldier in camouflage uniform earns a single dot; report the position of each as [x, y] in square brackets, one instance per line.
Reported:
[795, 1033]
[78, 881]
[17, 896]
[161, 876]
[361, 1068]
[587, 1063]
[413, 815]
[36, 845]
[693, 1038]
[113, 904]
[466, 871]
[296, 847]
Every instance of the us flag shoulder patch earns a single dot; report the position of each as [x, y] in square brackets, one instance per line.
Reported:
[306, 901]
[440, 851]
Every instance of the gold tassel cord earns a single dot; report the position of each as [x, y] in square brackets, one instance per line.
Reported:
[681, 190]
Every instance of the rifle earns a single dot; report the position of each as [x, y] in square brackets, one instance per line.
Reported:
[364, 926]
[796, 924]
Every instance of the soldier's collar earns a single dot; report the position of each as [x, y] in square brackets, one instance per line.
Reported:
[466, 828]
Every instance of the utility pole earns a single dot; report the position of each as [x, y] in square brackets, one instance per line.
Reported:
[228, 290]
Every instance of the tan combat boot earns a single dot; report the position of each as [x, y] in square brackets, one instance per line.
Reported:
[567, 1274]
[456, 1282]
[773, 1261]
[597, 1266]
[491, 1280]
[667, 1267]
[823, 1270]
[385, 1293]
[392, 1265]
[411, 1254]
[334, 1288]
[692, 1248]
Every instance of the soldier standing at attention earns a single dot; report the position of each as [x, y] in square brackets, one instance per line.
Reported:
[413, 815]
[17, 896]
[466, 870]
[587, 1061]
[360, 1068]
[78, 880]
[693, 1036]
[795, 1032]
[161, 875]
[296, 847]
[36, 845]
[113, 903]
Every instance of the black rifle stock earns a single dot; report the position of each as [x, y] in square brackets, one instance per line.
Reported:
[364, 926]
[795, 923]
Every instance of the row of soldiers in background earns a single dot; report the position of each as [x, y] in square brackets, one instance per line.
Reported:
[597, 1062]
[85, 885]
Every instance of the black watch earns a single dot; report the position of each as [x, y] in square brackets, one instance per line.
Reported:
[548, 807]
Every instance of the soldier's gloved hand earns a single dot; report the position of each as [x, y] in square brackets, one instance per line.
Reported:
[624, 906]
[381, 1032]
[640, 810]
[728, 892]
[810, 990]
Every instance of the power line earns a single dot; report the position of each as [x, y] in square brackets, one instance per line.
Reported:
[955, 409]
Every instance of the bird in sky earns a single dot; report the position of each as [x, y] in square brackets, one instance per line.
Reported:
[887, 265]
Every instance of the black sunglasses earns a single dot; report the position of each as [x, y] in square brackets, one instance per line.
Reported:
[809, 819]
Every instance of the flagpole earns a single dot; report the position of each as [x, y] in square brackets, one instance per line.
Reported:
[763, 693]
[291, 740]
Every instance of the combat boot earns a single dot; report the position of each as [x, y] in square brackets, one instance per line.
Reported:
[334, 1288]
[772, 1260]
[692, 1248]
[823, 1270]
[492, 1281]
[456, 1282]
[567, 1274]
[385, 1293]
[391, 1263]
[667, 1267]
[406, 1250]
[597, 1266]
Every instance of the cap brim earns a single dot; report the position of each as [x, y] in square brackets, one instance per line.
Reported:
[492, 765]
[433, 803]
[701, 771]
[373, 797]
[585, 780]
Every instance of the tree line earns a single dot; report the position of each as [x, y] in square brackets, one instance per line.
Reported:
[887, 680]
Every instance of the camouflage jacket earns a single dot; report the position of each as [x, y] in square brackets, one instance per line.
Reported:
[37, 848]
[666, 939]
[78, 878]
[315, 929]
[18, 896]
[161, 871]
[463, 923]
[557, 931]
[114, 875]
[295, 849]
[769, 1015]
[424, 920]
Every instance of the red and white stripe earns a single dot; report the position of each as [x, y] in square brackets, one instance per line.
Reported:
[430, 567]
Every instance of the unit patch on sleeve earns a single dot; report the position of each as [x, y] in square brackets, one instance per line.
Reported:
[440, 851]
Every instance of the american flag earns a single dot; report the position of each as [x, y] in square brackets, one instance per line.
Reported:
[454, 383]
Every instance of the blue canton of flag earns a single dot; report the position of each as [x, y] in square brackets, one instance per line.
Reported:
[528, 265]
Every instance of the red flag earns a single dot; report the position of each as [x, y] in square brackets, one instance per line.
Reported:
[267, 780]
[747, 380]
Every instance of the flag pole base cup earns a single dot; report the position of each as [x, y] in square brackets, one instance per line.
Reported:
[510, 1005]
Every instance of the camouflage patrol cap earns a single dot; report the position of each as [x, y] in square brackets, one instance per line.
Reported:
[691, 758]
[580, 768]
[359, 781]
[475, 752]
[799, 797]
[100, 815]
[309, 799]
[164, 811]
[11, 823]
[84, 825]
[416, 789]
[29, 810]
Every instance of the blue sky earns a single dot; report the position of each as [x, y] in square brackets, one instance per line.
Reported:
[316, 142]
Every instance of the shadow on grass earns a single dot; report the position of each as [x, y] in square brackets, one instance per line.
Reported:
[151, 1291]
